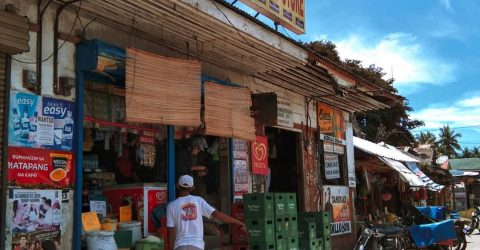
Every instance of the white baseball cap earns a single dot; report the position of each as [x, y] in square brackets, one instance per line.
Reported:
[185, 181]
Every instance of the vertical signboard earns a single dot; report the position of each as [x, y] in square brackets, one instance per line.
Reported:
[284, 113]
[332, 166]
[40, 122]
[352, 180]
[37, 216]
[260, 155]
[336, 201]
[288, 13]
[241, 171]
[330, 121]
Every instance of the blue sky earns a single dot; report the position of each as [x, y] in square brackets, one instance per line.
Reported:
[431, 47]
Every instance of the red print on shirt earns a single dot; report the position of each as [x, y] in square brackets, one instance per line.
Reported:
[189, 211]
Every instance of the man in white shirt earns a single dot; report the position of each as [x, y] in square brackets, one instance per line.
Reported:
[184, 218]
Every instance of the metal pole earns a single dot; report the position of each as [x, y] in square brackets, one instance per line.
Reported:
[171, 163]
[78, 149]
[4, 163]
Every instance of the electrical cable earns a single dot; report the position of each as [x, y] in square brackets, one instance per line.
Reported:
[435, 129]
[64, 41]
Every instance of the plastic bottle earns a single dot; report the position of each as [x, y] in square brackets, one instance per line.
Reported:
[25, 126]
[32, 134]
[17, 126]
[68, 131]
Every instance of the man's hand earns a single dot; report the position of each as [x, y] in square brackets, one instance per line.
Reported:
[242, 226]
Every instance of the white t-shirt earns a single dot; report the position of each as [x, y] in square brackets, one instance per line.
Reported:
[185, 215]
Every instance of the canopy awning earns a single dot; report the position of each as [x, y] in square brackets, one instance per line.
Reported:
[429, 182]
[405, 173]
[460, 173]
[381, 151]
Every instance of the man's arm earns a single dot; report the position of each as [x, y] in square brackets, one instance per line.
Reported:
[227, 219]
[171, 237]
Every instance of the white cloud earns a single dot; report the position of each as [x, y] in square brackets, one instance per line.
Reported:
[462, 113]
[399, 54]
[447, 5]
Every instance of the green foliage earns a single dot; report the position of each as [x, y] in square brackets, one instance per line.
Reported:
[426, 138]
[447, 143]
[471, 153]
[389, 125]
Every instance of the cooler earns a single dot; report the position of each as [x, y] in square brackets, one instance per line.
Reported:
[146, 196]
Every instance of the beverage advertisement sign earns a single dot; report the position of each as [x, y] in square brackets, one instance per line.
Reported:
[260, 155]
[155, 197]
[336, 200]
[37, 216]
[241, 170]
[39, 168]
[40, 122]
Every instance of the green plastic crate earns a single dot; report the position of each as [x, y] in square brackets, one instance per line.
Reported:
[123, 239]
[292, 243]
[291, 199]
[258, 205]
[280, 202]
[326, 217]
[307, 231]
[279, 224]
[293, 226]
[261, 229]
[262, 245]
[308, 245]
[322, 220]
[280, 243]
[327, 243]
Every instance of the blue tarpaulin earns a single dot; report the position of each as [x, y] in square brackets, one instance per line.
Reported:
[428, 234]
[433, 212]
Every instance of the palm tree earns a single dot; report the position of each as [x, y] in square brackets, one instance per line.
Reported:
[447, 144]
[426, 138]
[476, 152]
[467, 153]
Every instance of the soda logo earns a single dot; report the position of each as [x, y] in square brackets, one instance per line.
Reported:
[67, 129]
[55, 111]
[25, 101]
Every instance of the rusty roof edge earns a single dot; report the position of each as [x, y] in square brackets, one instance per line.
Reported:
[312, 54]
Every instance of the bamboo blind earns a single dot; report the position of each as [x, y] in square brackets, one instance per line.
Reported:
[162, 90]
[227, 112]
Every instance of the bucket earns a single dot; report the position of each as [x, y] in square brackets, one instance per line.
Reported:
[101, 240]
[135, 227]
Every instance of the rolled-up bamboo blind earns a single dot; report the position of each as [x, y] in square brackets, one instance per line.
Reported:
[162, 90]
[227, 112]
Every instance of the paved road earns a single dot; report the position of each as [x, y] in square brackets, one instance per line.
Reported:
[473, 241]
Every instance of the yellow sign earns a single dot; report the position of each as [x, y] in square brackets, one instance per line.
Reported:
[330, 121]
[288, 13]
[90, 221]
[125, 213]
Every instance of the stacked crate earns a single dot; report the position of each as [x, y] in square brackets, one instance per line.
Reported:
[259, 218]
[292, 221]
[239, 237]
[314, 232]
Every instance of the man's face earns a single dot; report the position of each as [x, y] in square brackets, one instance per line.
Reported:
[23, 241]
[195, 151]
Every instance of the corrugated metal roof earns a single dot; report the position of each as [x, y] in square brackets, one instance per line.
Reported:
[381, 151]
[405, 173]
[465, 164]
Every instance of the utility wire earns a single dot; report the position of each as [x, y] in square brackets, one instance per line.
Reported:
[61, 45]
[435, 129]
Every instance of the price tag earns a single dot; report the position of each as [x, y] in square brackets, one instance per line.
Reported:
[125, 213]
[90, 221]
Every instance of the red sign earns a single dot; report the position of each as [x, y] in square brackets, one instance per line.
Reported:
[260, 155]
[29, 167]
[155, 197]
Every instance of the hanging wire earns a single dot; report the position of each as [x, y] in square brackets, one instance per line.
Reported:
[77, 17]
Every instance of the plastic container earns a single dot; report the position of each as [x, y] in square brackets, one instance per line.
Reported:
[101, 240]
[135, 227]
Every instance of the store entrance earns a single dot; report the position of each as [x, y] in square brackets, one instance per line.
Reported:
[282, 160]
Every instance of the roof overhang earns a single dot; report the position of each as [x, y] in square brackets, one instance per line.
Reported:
[220, 34]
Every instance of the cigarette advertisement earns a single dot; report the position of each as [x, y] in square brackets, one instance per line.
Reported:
[336, 201]
[39, 168]
[37, 216]
[40, 122]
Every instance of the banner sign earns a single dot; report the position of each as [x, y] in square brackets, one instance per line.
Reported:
[260, 155]
[37, 216]
[336, 201]
[40, 122]
[332, 166]
[241, 170]
[39, 167]
[289, 13]
[284, 113]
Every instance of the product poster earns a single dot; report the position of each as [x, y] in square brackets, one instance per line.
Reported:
[37, 216]
[31, 167]
[241, 170]
[40, 122]
[332, 167]
[260, 155]
[336, 201]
